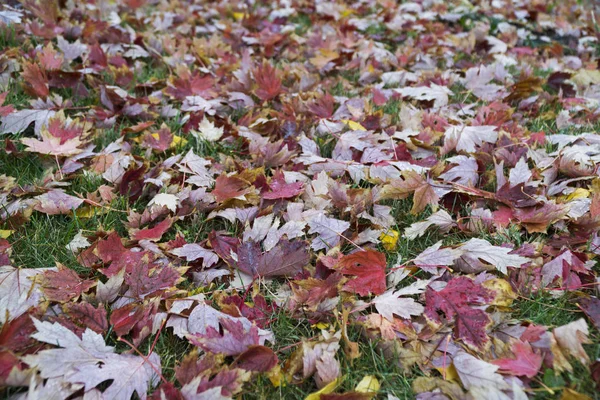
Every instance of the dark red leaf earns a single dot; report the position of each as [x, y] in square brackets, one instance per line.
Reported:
[64, 285]
[456, 301]
[257, 359]
[368, 268]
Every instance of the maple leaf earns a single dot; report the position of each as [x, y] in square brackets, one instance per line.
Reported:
[312, 292]
[19, 290]
[233, 341]
[88, 316]
[465, 138]
[526, 362]
[329, 230]
[465, 172]
[207, 131]
[391, 303]
[565, 265]
[257, 359]
[155, 233]
[500, 257]
[316, 354]
[441, 219]
[268, 82]
[194, 251]
[170, 201]
[36, 80]
[57, 202]
[229, 187]
[135, 319]
[425, 191]
[368, 268]
[433, 257]
[478, 81]
[538, 219]
[571, 338]
[5, 110]
[18, 121]
[79, 242]
[439, 94]
[285, 259]
[89, 361]
[144, 278]
[60, 137]
[64, 284]
[455, 301]
[591, 307]
[280, 189]
[474, 372]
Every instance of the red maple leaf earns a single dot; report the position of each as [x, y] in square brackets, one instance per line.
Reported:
[526, 362]
[64, 285]
[160, 140]
[257, 359]
[285, 259]
[144, 278]
[368, 268]
[87, 316]
[233, 341]
[229, 187]
[36, 81]
[268, 82]
[5, 110]
[154, 233]
[455, 301]
[279, 189]
[135, 318]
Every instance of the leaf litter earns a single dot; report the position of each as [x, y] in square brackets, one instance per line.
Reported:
[406, 176]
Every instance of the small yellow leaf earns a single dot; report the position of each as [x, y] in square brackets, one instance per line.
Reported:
[504, 293]
[329, 388]
[178, 141]
[347, 12]
[389, 239]
[320, 325]
[579, 193]
[355, 126]
[238, 16]
[570, 394]
[88, 211]
[276, 376]
[368, 384]
[5, 233]
[448, 372]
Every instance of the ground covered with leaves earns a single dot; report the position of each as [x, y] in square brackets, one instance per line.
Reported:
[296, 199]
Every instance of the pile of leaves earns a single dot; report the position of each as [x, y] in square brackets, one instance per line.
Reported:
[252, 194]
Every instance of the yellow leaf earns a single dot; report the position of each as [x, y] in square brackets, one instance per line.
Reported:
[276, 376]
[579, 193]
[320, 325]
[355, 126]
[238, 16]
[448, 372]
[504, 293]
[389, 239]
[178, 141]
[5, 233]
[347, 12]
[570, 394]
[88, 211]
[329, 388]
[368, 384]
